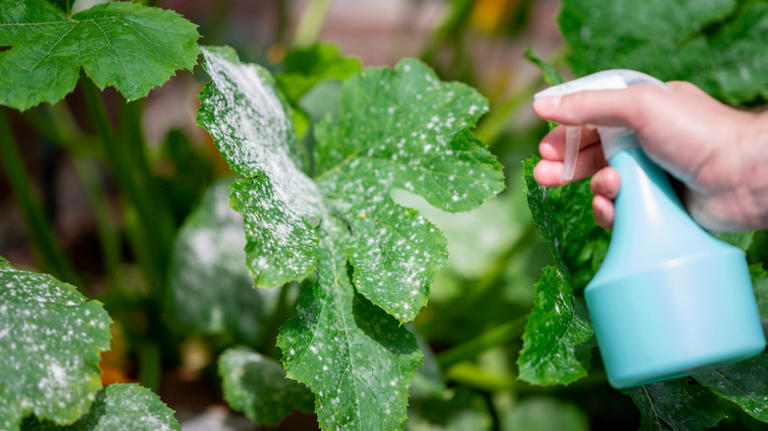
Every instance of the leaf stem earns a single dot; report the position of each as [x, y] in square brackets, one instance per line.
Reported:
[150, 366]
[494, 337]
[147, 220]
[38, 226]
[57, 126]
[311, 22]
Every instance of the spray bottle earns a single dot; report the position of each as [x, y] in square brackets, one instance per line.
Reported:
[669, 299]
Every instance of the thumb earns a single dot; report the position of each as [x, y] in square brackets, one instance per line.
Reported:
[627, 107]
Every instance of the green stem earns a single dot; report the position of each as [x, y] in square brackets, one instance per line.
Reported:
[311, 22]
[147, 219]
[499, 117]
[38, 226]
[150, 365]
[477, 377]
[57, 125]
[106, 228]
[494, 337]
[152, 212]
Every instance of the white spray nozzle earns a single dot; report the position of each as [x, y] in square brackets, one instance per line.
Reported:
[606, 80]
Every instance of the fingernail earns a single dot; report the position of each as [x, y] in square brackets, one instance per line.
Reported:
[547, 104]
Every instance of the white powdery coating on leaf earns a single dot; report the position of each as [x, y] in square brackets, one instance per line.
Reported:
[128, 407]
[279, 203]
[356, 358]
[402, 129]
[250, 113]
[50, 339]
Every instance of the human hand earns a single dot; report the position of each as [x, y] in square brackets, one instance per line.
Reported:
[716, 151]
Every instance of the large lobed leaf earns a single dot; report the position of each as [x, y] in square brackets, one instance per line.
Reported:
[256, 385]
[403, 129]
[50, 343]
[744, 383]
[716, 44]
[118, 407]
[399, 128]
[556, 347]
[126, 45]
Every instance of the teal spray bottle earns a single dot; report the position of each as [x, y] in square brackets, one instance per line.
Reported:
[669, 299]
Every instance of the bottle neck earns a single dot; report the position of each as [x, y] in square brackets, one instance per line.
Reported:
[651, 226]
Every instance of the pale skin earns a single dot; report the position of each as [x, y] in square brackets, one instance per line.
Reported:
[720, 154]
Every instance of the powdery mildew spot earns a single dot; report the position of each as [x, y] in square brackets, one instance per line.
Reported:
[50, 344]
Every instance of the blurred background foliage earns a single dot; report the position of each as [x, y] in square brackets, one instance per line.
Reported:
[156, 241]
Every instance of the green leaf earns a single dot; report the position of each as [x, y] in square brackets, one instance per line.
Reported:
[402, 129]
[399, 128]
[742, 240]
[744, 383]
[306, 67]
[355, 357]
[550, 75]
[676, 405]
[118, 407]
[563, 216]
[321, 100]
[64, 5]
[554, 343]
[279, 203]
[50, 343]
[556, 348]
[257, 386]
[544, 414]
[126, 45]
[703, 42]
[209, 252]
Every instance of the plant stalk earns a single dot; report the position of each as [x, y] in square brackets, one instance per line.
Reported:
[39, 228]
[147, 219]
[56, 124]
[311, 22]
[494, 337]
